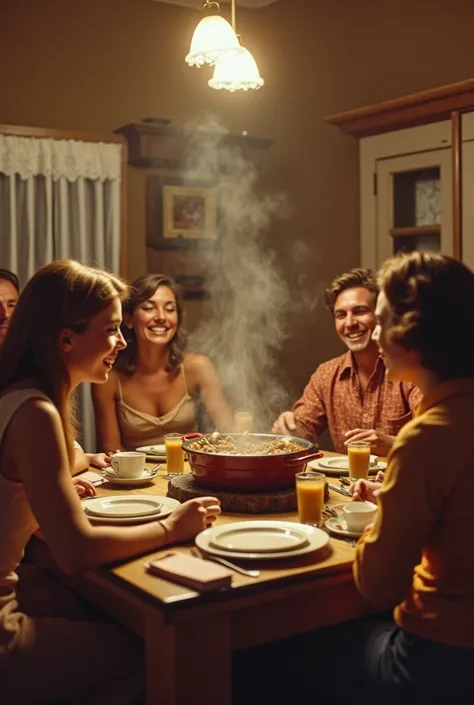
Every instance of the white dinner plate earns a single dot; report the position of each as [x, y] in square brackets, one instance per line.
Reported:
[168, 505]
[339, 527]
[258, 537]
[156, 452]
[339, 465]
[316, 540]
[341, 462]
[126, 505]
[148, 476]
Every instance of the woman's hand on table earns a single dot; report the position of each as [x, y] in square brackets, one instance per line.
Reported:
[365, 490]
[190, 518]
[100, 460]
[84, 488]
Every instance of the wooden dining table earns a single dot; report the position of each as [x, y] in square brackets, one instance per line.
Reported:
[190, 637]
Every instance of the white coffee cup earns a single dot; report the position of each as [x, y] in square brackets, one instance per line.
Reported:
[358, 515]
[128, 464]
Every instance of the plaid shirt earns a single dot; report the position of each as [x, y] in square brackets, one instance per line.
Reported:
[332, 399]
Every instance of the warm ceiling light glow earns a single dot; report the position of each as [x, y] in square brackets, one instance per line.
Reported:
[212, 37]
[215, 42]
[236, 70]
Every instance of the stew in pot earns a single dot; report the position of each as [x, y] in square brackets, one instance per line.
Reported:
[242, 445]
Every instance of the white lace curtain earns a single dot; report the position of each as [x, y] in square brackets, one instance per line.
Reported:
[55, 158]
[60, 199]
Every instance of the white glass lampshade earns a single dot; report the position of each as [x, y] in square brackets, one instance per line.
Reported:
[212, 37]
[236, 70]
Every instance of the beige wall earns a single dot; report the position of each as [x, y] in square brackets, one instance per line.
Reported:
[99, 64]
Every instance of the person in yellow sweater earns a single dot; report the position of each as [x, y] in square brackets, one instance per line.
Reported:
[418, 557]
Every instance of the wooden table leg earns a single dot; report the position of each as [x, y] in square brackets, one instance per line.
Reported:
[189, 662]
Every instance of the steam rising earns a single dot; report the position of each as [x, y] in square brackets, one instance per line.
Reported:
[249, 296]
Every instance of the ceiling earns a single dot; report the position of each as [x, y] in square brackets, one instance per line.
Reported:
[254, 4]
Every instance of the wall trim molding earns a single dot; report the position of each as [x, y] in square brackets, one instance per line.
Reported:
[415, 109]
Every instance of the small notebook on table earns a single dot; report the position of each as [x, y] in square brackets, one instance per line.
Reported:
[195, 573]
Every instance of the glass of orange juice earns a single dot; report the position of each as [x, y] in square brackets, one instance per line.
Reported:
[243, 421]
[359, 459]
[310, 497]
[174, 454]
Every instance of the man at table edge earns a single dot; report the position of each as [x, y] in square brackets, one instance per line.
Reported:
[350, 394]
[9, 293]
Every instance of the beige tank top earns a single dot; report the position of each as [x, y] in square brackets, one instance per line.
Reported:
[17, 524]
[140, 429]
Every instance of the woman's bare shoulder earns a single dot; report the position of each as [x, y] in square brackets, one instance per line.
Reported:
[199, 371]
[195, 362]
[194, 358]
[37, 414]
[40, 405]
[36, 401]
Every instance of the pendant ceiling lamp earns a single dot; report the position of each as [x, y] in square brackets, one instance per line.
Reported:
[236, 70]
[215, 42]
[212, 37]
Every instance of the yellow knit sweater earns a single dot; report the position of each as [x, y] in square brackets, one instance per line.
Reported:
[419, 555]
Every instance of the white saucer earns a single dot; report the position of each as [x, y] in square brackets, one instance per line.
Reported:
[148, 476]
[168, 505]
[316, 540]
[336, 525]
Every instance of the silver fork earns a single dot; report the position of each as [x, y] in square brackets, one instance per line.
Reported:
[217, 559]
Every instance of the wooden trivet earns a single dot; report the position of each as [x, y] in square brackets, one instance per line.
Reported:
[183, 487]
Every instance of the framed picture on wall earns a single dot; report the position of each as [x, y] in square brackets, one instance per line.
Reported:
[180, 216]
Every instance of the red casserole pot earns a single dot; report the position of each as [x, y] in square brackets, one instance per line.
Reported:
[249, 473]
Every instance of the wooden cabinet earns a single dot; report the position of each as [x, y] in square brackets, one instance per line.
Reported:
[416, 173]
[406, 179]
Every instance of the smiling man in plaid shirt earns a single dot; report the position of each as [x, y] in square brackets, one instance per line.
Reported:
[350, 394]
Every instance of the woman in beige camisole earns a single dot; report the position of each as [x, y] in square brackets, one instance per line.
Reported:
[65, 330]
[153, 386]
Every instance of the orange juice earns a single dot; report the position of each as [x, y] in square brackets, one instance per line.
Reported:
[310, 497]
[359, 459]
[174, 453]
[243, 421]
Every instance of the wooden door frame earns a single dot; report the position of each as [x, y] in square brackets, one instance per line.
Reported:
[78, 135]
[456, 157]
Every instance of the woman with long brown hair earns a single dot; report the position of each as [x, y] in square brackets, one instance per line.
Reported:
[153, 387]
[65, 330]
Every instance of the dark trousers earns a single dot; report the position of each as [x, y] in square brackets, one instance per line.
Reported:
[367, 662]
